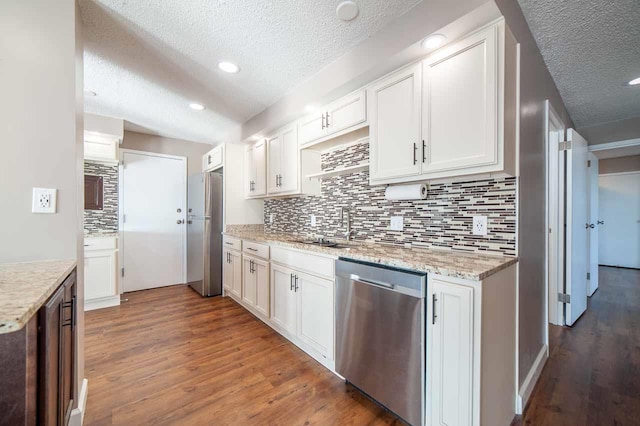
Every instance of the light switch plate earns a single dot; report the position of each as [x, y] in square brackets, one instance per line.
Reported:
[480, 225]
[44, 200]
[397, 223]
[313, 220]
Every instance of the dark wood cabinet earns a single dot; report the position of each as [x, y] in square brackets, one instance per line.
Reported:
[93, 192]
[56, 324]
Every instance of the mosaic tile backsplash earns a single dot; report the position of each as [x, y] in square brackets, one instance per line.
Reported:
[443, 220]
[105, 220]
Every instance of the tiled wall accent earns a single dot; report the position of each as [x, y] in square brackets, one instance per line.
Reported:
[443, 220]
[105, 220]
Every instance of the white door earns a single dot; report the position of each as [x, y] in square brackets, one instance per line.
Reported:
[346, 112]
[394, 128]
[459, 105]
[261, 271]
[311, 127]
[260, 161]
[450, 354]
[593, 223]
[289, 160]
[248, 281]
[283, 298]
[576, 226]
[315, 312]
[274, 149]
[153, 205]
[620, 213]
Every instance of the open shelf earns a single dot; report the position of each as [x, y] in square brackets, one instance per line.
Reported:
[341, 171]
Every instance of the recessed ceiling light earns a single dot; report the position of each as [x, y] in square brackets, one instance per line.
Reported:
[228, 67]
[634, 82]
[197, 107]
[89, 93]
[433, 41]
[347, 10]
[310, 108]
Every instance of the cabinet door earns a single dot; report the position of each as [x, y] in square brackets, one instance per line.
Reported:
[260, 161]
[283, 298]
[315, 312]
[51, 358]
[68, 347]
[450, 349]
[249, 171]
[394, 125]
[274, 153]
[99, 274]
[213, 159]
[261, 271]
[460, 104]
[227, 270]
[236, 263]
[311, 128]
[289, 179]
[248, 281]
[346, 112]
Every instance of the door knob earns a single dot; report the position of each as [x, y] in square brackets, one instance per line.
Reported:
[179, 210]
[179, 222]
[601, 222]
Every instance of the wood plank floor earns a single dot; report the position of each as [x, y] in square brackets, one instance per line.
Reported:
[169, 356]
[592, 376]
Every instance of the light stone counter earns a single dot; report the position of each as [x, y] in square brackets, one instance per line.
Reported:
[25, 287]
[470, 266]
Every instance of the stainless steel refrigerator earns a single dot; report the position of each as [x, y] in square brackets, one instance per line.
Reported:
[204, 233]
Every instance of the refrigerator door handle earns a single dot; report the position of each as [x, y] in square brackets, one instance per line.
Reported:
[196, 217]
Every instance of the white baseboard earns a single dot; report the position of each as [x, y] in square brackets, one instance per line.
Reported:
[104, 302]
[77, 414]
[532, 378]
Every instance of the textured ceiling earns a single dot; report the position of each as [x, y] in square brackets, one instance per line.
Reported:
[147, 60]
[591, 48]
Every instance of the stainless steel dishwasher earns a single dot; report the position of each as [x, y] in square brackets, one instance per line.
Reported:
[380, 334]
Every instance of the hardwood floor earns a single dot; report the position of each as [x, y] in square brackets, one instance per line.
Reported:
[592, 376]
[169, 356]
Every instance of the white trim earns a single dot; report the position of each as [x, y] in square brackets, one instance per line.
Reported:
[532, 378]
[614, 145]
[619, 173]
[121, 209]
[77, 414]
[553, 312]
[103, 302]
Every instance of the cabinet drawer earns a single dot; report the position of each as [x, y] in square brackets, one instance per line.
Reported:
[304, 262]
[255, 249]
[100, 243]
[232, 243]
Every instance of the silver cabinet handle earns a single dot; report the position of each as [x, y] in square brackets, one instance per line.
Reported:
[434, 299]
[296, 282]
[327, 119]
[415, 151]
[424, 151]
[228, 243]
[291, 282]
[323, 126]
[252, 249]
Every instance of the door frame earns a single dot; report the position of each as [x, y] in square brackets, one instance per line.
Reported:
[553, 311]
[121, 242]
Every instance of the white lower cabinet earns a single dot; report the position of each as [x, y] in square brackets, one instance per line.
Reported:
[100, 273]
[302, 305]
[232, 272]
[450, 346]
[255, 283]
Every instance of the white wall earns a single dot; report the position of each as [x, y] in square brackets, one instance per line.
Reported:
[41, 134]
[103, 124]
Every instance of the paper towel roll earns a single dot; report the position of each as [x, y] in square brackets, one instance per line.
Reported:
[416, 191]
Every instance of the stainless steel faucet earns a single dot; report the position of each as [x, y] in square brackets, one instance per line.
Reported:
[346, 234]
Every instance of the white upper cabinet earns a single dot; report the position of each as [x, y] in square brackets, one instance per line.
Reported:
[464, 121]
[394, 125]
[460, 104]
[255, 165]
[283, 176]
[213, 159]
[334, 118]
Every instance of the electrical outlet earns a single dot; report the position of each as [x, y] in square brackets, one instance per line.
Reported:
[44, 200]
[313, 220]
[397, 223]
[480, 225]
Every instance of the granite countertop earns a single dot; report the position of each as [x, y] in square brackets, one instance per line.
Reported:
[470, 266]
[25, 287]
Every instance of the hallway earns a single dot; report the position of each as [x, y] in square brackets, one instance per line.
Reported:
[593, 374]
